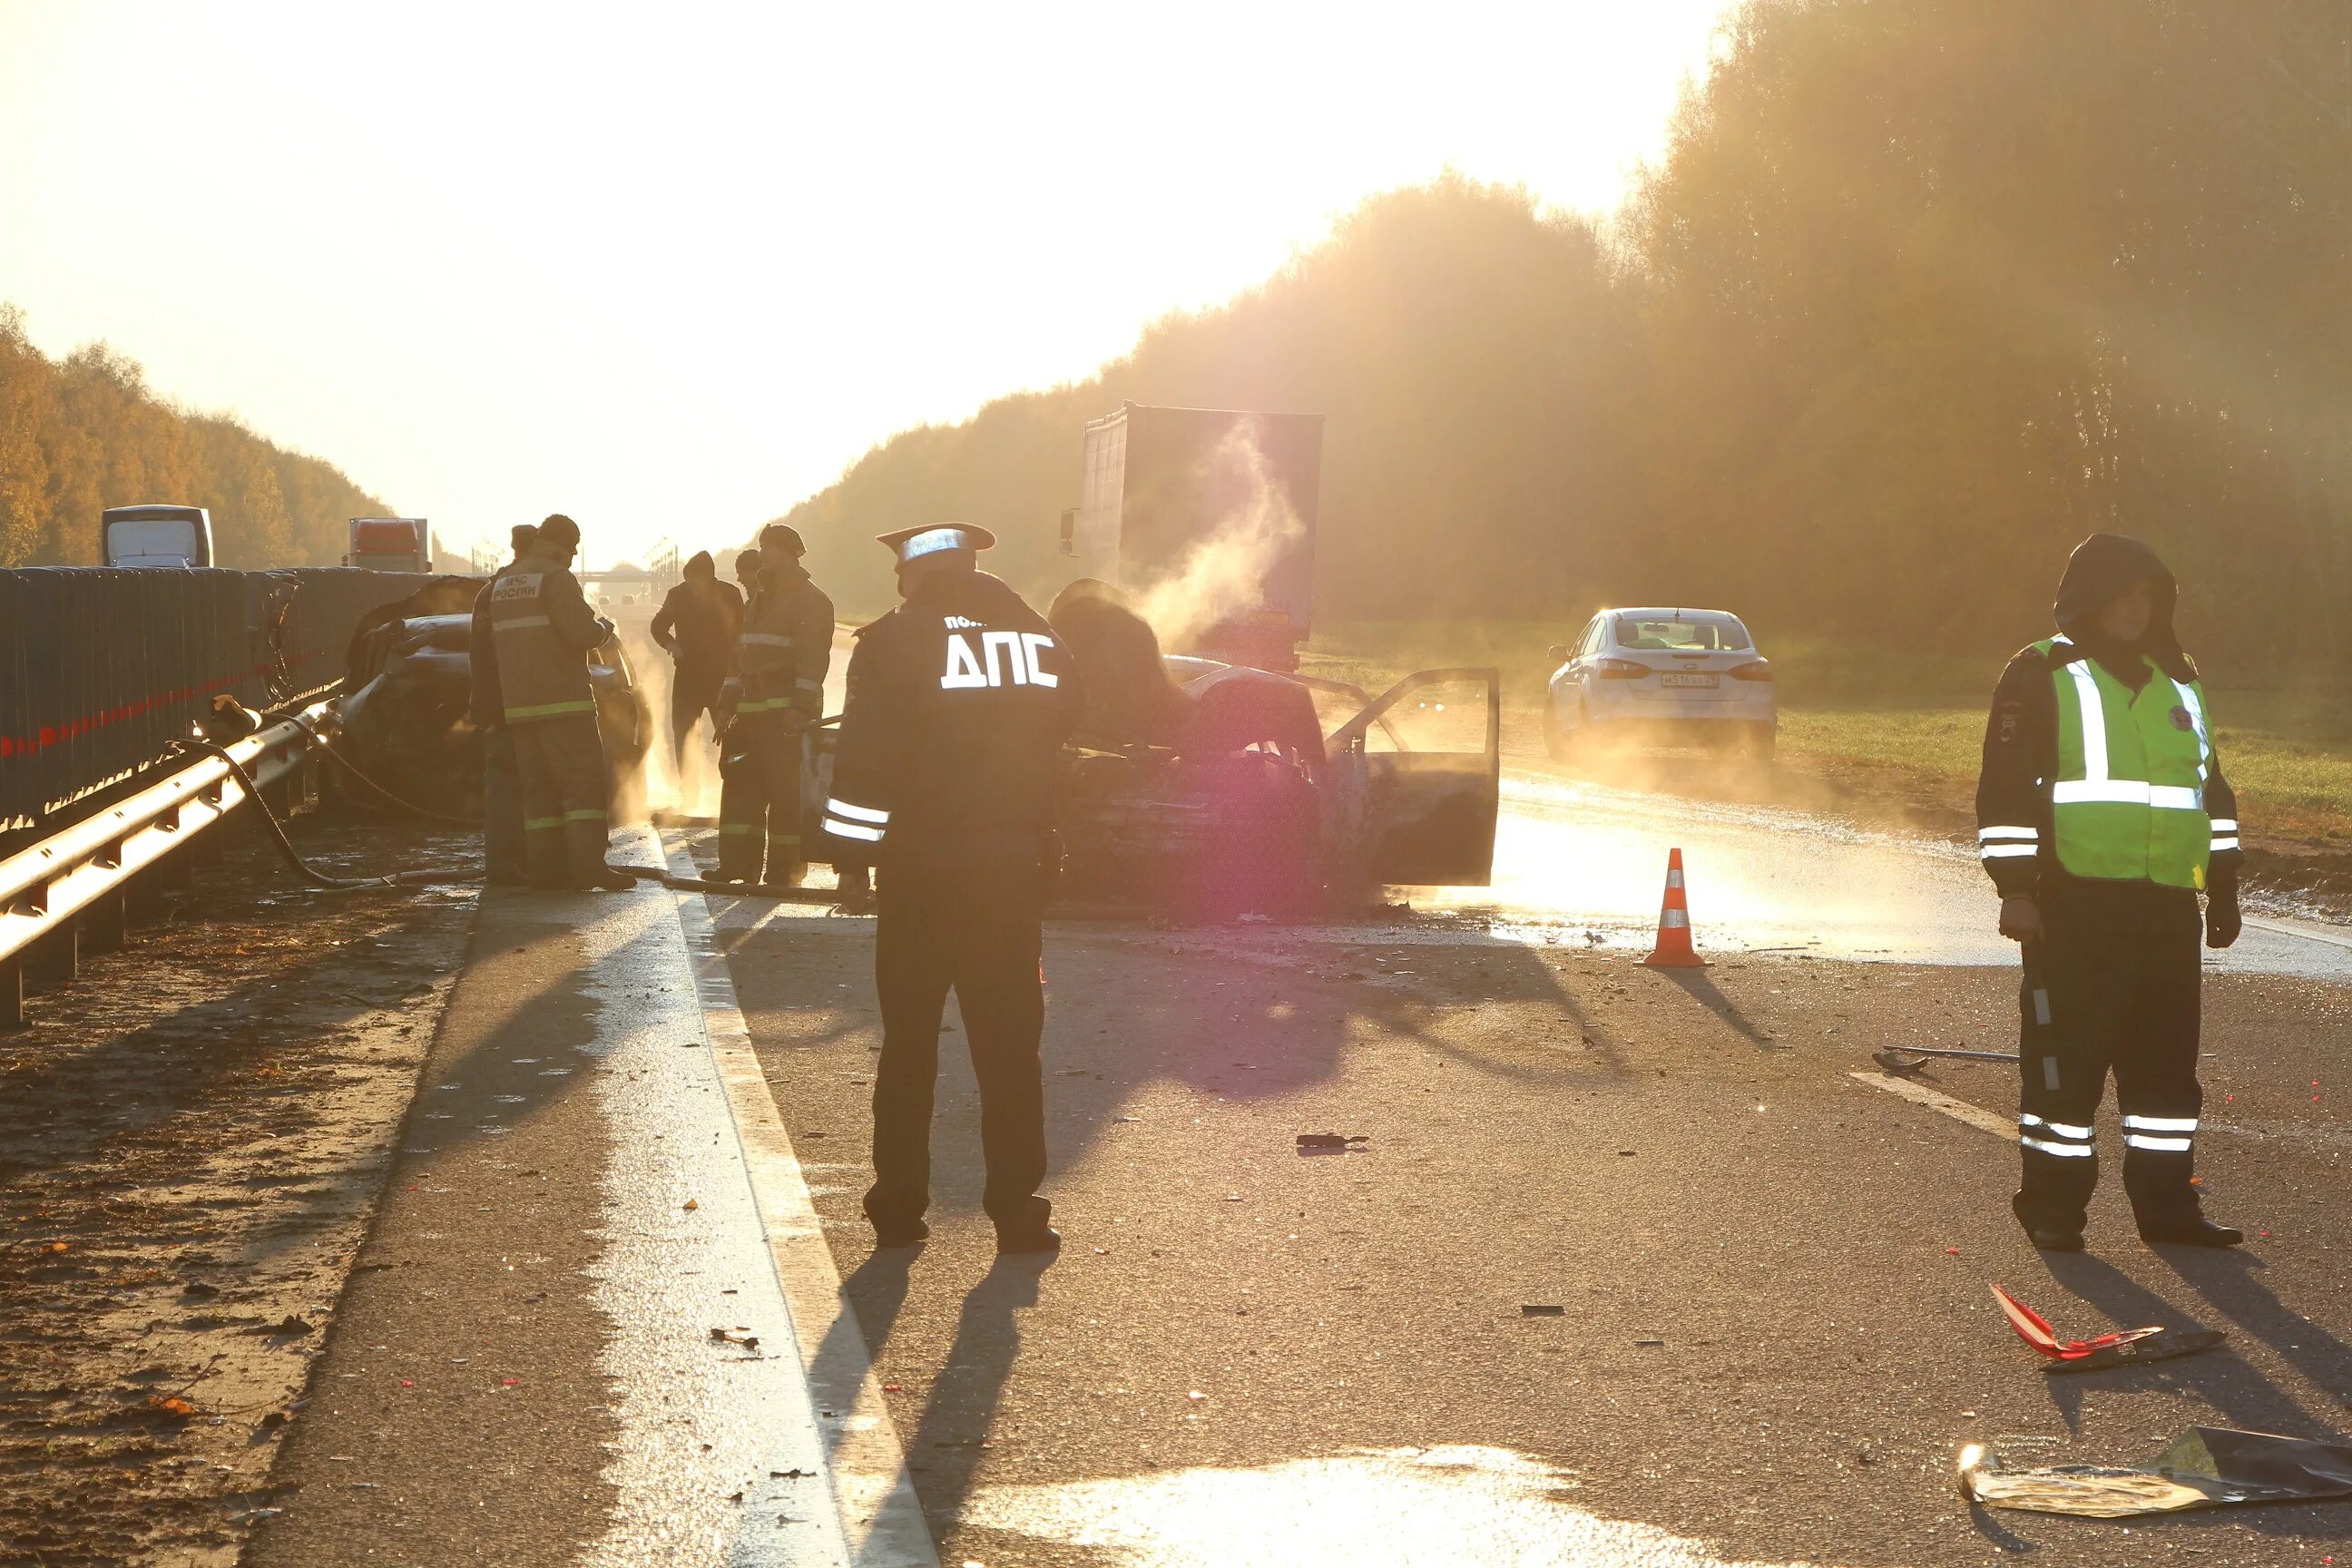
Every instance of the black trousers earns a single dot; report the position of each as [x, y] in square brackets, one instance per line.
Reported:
[693, 692]
[2098, 998]
[975, 930]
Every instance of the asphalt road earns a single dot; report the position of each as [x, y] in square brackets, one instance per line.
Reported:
[1773, 1328]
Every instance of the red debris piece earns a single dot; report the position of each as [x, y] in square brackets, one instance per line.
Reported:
[2035, 1331]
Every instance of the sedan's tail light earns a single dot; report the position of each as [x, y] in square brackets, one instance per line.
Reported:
[1760, 670]
[1619, 669]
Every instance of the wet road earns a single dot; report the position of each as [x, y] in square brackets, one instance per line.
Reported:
[1572, 855]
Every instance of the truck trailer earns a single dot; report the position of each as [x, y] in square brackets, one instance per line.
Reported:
[391, 544]
[1205, 516]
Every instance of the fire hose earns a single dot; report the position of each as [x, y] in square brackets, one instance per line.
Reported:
[406, 879]
[310, 873]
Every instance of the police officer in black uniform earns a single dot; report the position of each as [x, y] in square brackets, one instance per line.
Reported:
[959, 702]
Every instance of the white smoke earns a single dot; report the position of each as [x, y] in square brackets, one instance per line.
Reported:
[1224, 575]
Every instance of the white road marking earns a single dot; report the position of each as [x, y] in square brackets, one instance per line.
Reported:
[2307, 931]
[880, 1518]
[683, 1251]
[1935, 1099]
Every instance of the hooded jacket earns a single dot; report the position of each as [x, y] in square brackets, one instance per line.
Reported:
[2021, 744]
[2102, 569]
[698, 619]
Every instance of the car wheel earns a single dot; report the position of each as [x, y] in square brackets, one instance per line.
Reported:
[1557, 743]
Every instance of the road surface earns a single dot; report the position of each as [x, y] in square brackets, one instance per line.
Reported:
[1628, 1267]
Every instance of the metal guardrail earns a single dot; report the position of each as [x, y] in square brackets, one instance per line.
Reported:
[100, 670]
[46, 888]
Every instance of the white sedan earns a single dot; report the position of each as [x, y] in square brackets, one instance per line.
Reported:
[1661, 677]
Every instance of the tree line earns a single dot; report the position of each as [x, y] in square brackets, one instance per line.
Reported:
[1920, 293]
[84, 432]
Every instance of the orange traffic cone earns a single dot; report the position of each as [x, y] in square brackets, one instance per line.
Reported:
[1673, 950]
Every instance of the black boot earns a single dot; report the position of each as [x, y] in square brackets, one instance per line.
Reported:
[906, 1234]
[1028, 1239]
[2045, 1233]
[2189, 1230]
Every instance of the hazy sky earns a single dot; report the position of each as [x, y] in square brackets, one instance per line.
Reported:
[671, 268]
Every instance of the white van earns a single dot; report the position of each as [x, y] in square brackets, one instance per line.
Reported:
[156, 534]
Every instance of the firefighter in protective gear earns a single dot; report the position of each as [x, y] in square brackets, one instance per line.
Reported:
[502, 835]
[542, 631]
[2101, 813]
[959, 702]
[775, 694]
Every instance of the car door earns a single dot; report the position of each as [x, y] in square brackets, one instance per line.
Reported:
[1415, 783]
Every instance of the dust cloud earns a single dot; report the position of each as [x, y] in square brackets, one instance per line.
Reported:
[664, 787]
[1224, 576]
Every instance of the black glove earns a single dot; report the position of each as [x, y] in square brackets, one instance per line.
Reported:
[2222, 922]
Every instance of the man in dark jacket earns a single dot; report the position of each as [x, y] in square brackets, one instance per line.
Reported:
[2101, 813]
[502, 851]
[959, 702]
[697, 625]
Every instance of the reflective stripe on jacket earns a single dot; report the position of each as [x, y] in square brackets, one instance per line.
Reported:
[542, 629]
[786, 644]
[2127, 801]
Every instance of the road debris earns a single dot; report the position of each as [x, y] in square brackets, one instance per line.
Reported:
[1910, 1062]
[2205, 1466]
[2118, 1347]
[1329, 1143]
[735, 1336]
[1542, 1310]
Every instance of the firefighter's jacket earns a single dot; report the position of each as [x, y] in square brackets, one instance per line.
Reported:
[786, 645]
[959, 702]
[542, 631]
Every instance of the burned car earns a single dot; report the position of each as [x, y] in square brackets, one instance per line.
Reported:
[1213, 790]
[408, 674]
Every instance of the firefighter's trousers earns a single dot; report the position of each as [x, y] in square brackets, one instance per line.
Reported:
[973, 931]
[564, 788]
[2094, 1000]
[502, 835]
[760, 800]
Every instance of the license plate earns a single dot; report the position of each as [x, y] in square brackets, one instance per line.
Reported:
[1688, 681]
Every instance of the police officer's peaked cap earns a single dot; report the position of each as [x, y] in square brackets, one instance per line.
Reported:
[781, 538]
[912, 544]
[558, 529]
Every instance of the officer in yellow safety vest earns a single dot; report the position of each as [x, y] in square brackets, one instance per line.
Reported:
[2101, 813]
[775, 693]
[543, 631]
